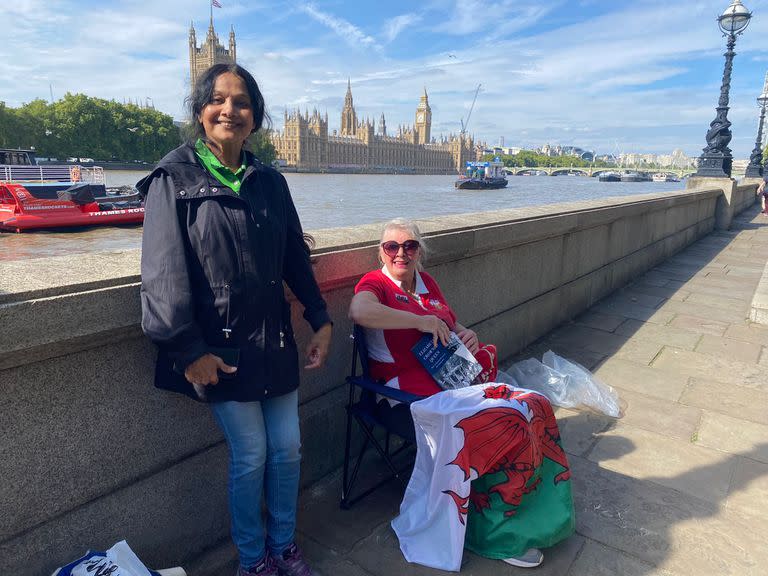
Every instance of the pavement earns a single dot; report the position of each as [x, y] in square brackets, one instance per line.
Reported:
[678, 486]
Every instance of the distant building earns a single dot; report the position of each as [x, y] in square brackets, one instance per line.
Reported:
[502, 150]
[210, 52]
[558, 150]
[306, 144]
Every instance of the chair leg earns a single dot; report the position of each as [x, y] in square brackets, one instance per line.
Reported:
[347, 447]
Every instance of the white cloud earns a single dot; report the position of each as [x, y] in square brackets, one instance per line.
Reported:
[350, 33]
[394, 26]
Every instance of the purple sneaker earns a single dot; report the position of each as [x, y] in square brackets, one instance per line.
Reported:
[266, 567]
[290, 563]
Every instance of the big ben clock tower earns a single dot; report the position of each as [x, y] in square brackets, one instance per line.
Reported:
[423, 120]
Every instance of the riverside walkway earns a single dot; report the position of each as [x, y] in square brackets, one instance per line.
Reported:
[679, 485]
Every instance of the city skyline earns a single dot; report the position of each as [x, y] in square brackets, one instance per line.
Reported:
[641, 77]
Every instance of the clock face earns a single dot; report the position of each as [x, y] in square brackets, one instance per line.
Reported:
[419, 117]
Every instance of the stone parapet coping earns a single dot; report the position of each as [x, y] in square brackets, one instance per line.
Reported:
[59, 275]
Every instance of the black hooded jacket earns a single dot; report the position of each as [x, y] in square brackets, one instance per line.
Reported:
[212, 269]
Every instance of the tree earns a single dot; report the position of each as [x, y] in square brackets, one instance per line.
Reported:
[262, 147]
[82, 126]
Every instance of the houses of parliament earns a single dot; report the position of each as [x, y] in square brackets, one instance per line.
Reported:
[305, 143]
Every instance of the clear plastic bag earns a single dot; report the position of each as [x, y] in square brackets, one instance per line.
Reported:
[564, 383]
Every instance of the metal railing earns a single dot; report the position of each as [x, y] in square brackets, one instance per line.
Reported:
[53, 173]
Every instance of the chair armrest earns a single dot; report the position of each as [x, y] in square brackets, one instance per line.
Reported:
[386, 391]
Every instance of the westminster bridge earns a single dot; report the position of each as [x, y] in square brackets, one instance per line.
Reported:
[595, 172]
[654, 293]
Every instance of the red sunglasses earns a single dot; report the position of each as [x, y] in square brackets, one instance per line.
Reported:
[391, 248]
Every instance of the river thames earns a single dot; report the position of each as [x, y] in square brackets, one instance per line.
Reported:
[336, 200]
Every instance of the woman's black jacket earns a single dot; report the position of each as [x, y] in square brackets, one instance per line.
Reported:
[213, 264]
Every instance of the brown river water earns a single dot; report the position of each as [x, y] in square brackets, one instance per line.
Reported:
[340, 200]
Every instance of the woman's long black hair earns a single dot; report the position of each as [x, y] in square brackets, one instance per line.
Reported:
[202, 94]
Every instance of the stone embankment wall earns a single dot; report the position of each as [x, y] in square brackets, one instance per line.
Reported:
[91, 453]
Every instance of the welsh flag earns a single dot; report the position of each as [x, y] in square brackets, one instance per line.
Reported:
[490, 475]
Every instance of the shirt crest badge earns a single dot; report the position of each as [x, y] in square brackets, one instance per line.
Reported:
[401, 298]
[436, 304]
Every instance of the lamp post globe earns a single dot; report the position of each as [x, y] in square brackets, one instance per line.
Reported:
[755, 167]
[716, 159]
[735, 19]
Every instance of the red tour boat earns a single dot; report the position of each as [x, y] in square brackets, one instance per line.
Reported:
[34, 197]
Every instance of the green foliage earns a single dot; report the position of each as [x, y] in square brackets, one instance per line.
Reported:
[82, 126]
[262, 147]
[531, 159]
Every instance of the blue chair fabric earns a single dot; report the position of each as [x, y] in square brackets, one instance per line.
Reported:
[364, 409]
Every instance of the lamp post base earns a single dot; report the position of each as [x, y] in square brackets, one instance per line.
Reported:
[754, 171]
[715, 165]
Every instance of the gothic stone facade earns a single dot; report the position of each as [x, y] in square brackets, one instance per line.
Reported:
[305, 143]
[210, 52]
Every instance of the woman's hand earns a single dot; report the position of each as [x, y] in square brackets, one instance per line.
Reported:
[761, 187]
[433, 325]
[469, 338]
[317, 349]
[205, 370]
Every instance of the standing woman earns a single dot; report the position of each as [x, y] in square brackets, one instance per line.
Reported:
[221, 234]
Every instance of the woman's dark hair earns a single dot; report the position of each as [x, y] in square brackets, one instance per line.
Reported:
[202, 94]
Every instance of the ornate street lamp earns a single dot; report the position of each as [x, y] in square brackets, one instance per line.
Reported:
[716, 160]
[755, 168]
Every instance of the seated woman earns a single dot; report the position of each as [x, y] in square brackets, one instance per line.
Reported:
[503, 440]
[400, 302]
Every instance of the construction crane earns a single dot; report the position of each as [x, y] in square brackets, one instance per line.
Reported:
[463, 125]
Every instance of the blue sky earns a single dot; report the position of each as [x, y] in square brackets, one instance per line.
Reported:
[613, 76]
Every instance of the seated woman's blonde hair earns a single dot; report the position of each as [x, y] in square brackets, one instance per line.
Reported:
[412, 229]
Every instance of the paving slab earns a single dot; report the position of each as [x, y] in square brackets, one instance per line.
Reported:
[629, 297]
[747, 352]
[733, 435]
[579, 430]
[748, 332]
[705, 366]
[632, 376]
[706, 300]
[380, 555]
[665, 292]
[721, 544]
[657, 415]
[575, 336]
[321, 517]
[636, 311]
[640, 351]
[598, 321]
[680, 457]
[736, 401]
[699, 325]
[749, 490]
[663, 527]
[599, 560]
[733, 288]
[721, 313]
[670, 335]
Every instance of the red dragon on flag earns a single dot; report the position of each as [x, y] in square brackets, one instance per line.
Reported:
[502, 439]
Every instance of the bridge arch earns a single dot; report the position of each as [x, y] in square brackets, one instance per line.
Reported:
[566, 171]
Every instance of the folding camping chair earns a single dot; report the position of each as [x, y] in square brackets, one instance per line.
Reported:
[363, 408]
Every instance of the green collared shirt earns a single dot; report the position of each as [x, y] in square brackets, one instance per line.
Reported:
[223, 174]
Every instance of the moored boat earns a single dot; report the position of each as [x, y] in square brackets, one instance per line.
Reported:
[635, 177]
[482, 176]
[609, 177]
[662, 177]
[34, 197]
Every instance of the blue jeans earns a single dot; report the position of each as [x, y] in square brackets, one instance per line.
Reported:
[264, 456]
